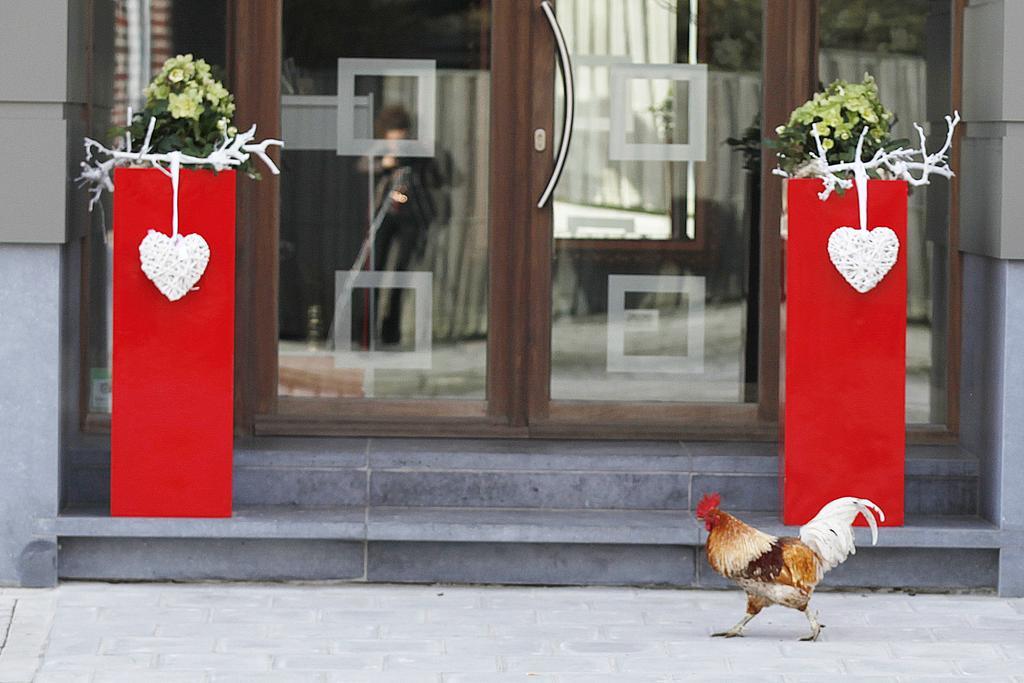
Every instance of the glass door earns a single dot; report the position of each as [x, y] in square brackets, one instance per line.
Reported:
[384, 227]
[450, 259]
[649, 244]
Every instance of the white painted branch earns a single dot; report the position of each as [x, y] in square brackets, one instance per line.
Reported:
[900, 162]
[232, 152]
[149, 135]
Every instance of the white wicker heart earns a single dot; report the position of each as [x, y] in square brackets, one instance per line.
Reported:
[863, 257]
[174, 264]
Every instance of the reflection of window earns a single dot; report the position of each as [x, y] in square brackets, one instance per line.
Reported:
[653, 198]
[906, 46]
[385, 107]
[144, 34]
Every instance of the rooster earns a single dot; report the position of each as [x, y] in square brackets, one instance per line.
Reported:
[782, 571]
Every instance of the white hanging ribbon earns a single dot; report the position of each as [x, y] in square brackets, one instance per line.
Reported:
[175, 177]
[860, 177]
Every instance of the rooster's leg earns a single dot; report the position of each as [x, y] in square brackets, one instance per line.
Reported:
[812, 618]
[736, 630]
[754, 605]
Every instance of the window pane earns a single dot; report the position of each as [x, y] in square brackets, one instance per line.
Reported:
[383, 246]
[144, 34]
[906, 47]
[656, 219]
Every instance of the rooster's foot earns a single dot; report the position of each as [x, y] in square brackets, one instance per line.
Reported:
[812, 617]
[736, 630]
[731, 633]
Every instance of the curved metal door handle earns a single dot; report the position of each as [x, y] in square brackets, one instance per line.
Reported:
[569, 116]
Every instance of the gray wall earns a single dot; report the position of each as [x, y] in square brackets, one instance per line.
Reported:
[33, 92]
[43, 81]
[29, 417]
[992, 209]
[993, 148]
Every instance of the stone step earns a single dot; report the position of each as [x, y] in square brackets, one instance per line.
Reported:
[564, 547]
[530, 474]
[508, 525]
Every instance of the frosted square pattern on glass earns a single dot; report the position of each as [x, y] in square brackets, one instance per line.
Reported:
[359, 108]
[626, 323]
[348, 281]
[658, 112]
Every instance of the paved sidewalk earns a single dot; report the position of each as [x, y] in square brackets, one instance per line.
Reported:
[443, 634]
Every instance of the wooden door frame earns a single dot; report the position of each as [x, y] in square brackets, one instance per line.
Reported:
[254, 28]
[519, 344]
[790, 60]
[257, 30]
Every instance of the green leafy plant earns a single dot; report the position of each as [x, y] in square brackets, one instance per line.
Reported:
[839, 114]
[192, 111]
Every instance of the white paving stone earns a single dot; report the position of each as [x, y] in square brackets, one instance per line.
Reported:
[150, 677]
[890, 665]
[328, 662]
[273, 677]
[92, 632]
[989, 666]
[155, 645]
[414, 631]
[217, 661]
[498, 645]
[61, 677]
[390, 677]
[558, 663]
[671, 666]
[274, 646]
[441, 663]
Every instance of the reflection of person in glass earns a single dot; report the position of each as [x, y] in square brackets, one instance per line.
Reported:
[404, 210]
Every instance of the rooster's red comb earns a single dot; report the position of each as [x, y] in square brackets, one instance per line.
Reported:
[708, 503]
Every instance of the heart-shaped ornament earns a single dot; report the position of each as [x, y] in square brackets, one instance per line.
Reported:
[863, 257]
[174, 264]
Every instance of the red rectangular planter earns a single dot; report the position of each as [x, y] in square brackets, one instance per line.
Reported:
[845, 359]
[173, 364]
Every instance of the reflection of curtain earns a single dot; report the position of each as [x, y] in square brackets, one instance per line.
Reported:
[457, 244]
[901, 86]
[734, 100]
[601, 33]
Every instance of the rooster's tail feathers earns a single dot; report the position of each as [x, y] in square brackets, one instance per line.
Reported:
[830, 533]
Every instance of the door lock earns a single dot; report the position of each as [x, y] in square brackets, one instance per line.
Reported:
[540, 139]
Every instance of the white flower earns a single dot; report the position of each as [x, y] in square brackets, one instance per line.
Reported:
[184, 106]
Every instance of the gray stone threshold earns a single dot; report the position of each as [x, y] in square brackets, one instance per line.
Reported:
[496, 525]
[502, 455]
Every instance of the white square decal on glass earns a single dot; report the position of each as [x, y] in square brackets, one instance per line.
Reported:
[345, 282]
[366, 87]
[623, 321]
[658, 112]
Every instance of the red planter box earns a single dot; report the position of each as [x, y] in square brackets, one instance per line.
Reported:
[173, 364]
[845, 359]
